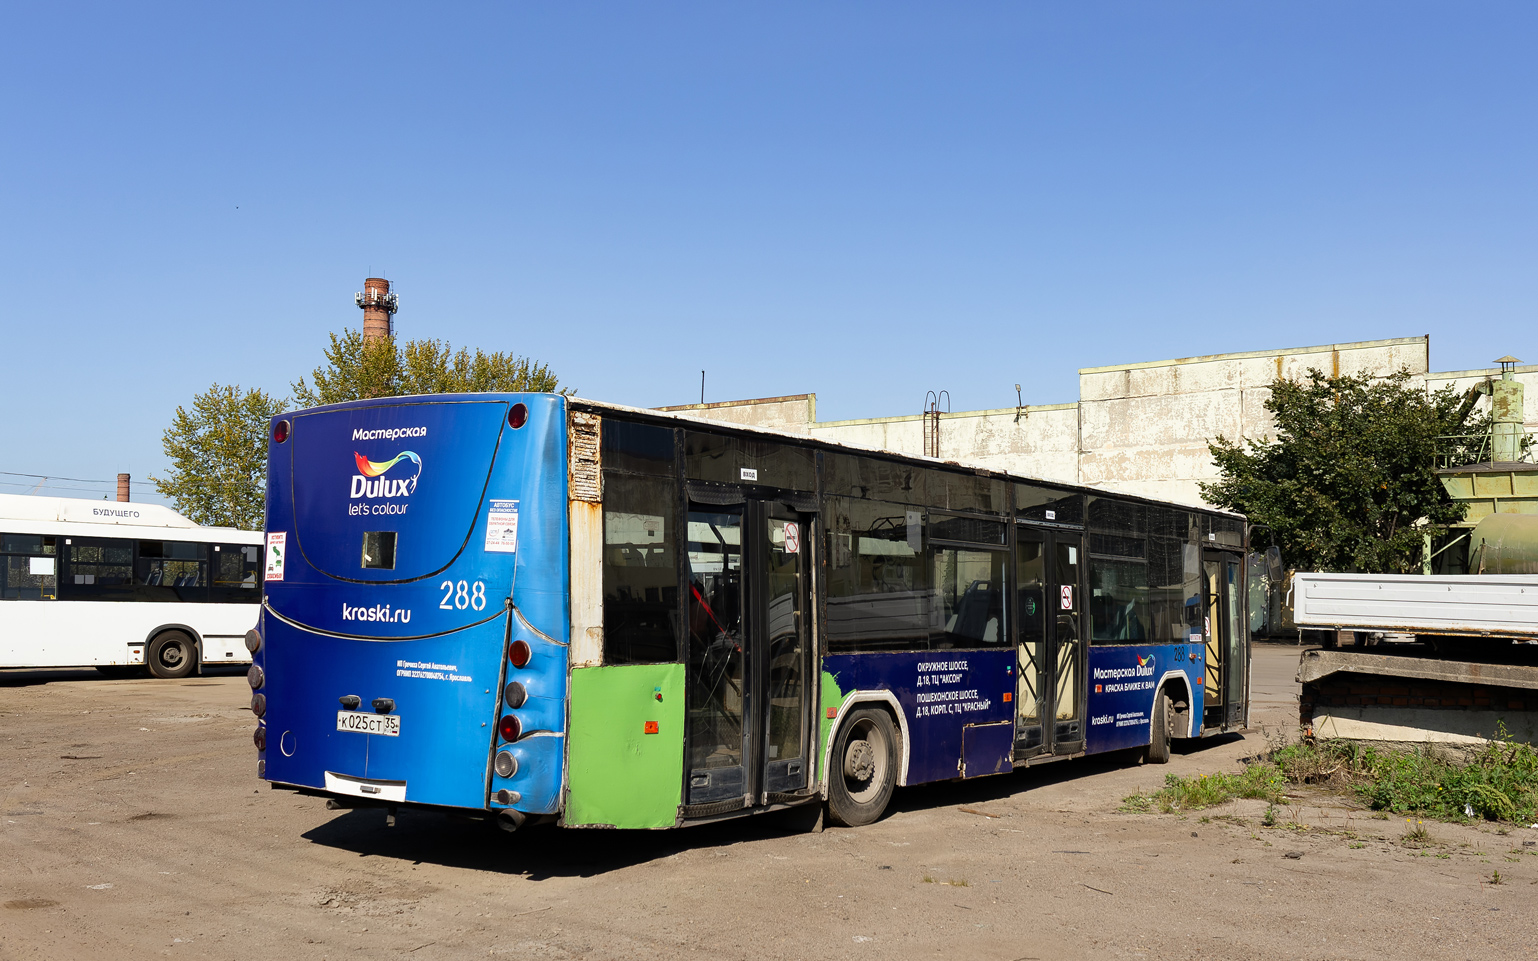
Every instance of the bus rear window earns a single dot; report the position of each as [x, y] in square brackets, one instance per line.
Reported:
[379, 550]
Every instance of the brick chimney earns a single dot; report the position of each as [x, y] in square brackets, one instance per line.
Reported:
[122, 488]
[379, 304]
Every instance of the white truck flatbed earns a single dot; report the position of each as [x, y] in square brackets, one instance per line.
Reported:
[1472, 605]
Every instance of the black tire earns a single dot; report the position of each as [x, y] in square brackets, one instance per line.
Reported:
[172, 654]
[116, 671]
[1161, 729]
[864, 767]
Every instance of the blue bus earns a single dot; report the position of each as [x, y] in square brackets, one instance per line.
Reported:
[539, 608]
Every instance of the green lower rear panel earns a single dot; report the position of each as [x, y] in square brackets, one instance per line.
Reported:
[618, 774]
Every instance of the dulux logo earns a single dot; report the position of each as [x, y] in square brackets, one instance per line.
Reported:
[368, 482]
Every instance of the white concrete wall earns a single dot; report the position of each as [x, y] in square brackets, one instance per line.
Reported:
[795, 413]
[1037, 442]
[1142, 428]
[1145, 427]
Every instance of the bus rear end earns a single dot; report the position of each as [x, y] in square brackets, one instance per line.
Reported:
[410, 649]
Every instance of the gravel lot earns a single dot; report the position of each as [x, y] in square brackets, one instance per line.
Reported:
[132, 826]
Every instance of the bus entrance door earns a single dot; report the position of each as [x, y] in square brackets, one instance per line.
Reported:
[749, 662]
[1223, 631]
[1050, 691]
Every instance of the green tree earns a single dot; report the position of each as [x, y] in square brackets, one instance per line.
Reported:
[356, 368]
[1349, 482]
[218, 453]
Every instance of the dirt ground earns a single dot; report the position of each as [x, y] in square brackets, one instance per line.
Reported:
[132, 826]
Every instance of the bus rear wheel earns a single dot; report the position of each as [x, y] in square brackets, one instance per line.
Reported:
[864, 768]
[1161, 730]
[171, 655]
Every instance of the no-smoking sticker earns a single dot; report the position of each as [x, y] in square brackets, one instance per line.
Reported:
[792, 538]
[1067, 591]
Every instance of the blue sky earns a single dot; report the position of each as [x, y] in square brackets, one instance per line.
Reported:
[868, 201]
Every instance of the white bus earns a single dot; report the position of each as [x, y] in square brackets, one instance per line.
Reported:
[123, 587]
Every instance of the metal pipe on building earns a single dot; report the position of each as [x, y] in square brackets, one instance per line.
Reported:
[1506, 411]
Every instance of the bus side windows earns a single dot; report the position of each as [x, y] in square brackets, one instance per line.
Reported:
[640, 569]
[97, 568]
[28, 567]
[237, 573]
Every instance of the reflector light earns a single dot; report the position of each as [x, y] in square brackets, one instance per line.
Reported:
[259, 737]
[519, 653]
[258, 704]
[509, 727]
[506, 764]
[651, 727]
[253, 641]
[280, 431]
[514, 695]
[255, 677]
[518, 416]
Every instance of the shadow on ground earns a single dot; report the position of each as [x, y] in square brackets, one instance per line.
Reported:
[30, 677]
[545, 851]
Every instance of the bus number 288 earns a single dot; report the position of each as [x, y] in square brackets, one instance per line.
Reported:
[459, 595]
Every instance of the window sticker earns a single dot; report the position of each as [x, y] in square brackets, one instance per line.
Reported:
[502, 527]
[277, 547]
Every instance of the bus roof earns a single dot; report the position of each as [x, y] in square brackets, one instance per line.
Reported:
[87, 514]
[817, 442]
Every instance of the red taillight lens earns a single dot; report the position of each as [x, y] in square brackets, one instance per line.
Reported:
[518, 416]
[518, 652]
[509, 727]
[280, 432]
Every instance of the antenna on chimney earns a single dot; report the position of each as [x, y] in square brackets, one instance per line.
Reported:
[379, 305]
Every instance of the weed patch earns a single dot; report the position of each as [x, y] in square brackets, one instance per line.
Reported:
[1260, 781]
[1500, 782]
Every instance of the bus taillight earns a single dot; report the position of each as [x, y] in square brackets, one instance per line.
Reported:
[258, 704]
[259, 737]
[509, 727]
[519, 653]
[280, 432]
[514, 694]
[253, 640]
[518, 416]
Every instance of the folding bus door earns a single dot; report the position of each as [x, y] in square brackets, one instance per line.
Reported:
[1050, 642]
[1224, 630]
[749, 671]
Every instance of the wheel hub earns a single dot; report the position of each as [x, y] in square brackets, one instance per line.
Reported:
[860, 760]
